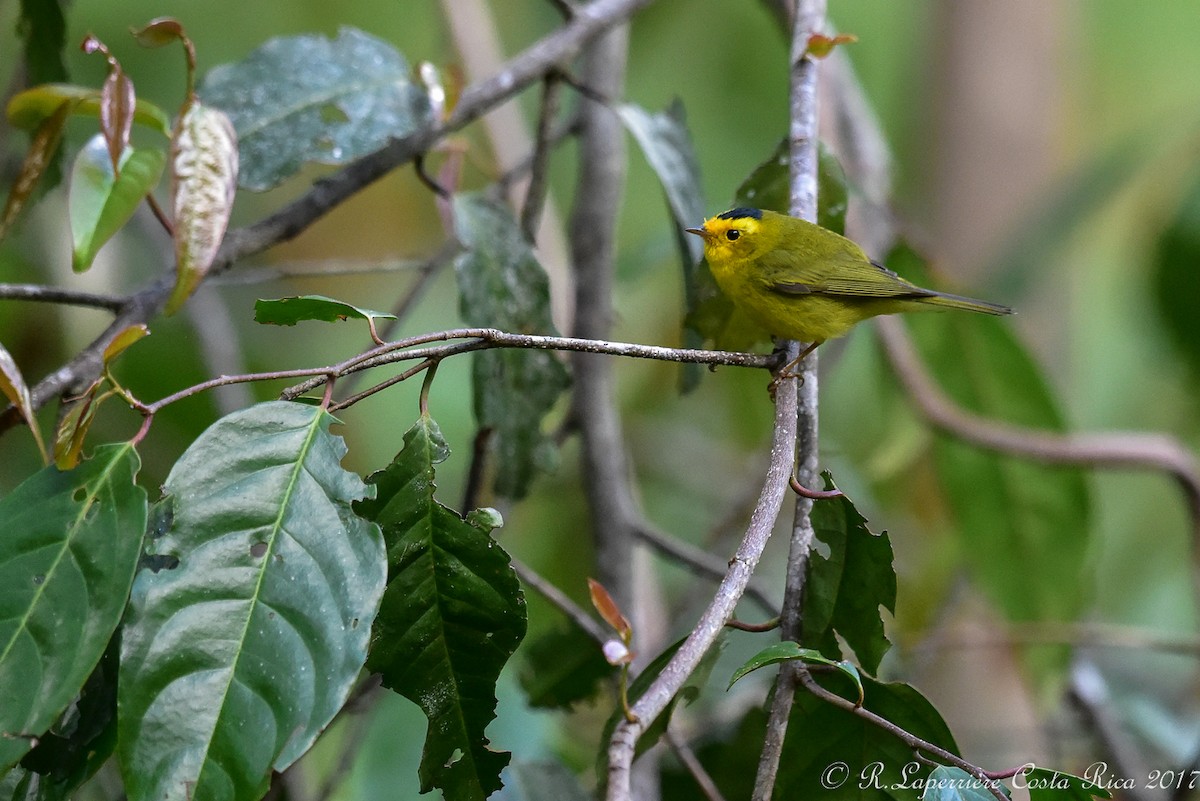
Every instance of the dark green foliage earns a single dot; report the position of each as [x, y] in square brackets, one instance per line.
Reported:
[501, 285]
[845, 590]
[236, 659]
[452, 615]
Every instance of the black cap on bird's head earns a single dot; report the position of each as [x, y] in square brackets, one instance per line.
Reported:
[741, 213]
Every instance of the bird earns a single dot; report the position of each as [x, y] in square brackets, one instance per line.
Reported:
[801, 281]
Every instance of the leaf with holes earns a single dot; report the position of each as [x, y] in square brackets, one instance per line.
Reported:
[501, 285]
[70, 546]
[452, 616]
[307, 98]
[235, 660]
[204, 170]
[845, 589]
[99, 201]
[289, 311]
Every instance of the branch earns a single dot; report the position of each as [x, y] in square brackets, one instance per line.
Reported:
[1129, 449]
[810, 19]
[918, 745]
[519, 72]
[676, 672]
[70, 297]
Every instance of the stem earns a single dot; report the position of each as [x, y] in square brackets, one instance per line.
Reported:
[810, 18]
[677, 671]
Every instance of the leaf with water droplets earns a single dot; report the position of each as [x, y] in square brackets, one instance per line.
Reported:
[307, 98]
[234, 661]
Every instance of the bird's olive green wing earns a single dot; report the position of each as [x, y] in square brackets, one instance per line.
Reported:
[843, 274]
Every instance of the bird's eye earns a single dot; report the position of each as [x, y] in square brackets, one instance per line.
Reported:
[732, 234]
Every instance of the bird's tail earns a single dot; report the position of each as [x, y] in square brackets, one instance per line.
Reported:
[949, 301]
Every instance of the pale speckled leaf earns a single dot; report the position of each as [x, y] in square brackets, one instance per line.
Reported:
[233, 661]
[204, 170]
[307, 98]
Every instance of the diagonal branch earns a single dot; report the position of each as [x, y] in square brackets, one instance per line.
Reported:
[521, 71]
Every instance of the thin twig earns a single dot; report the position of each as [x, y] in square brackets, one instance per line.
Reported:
[564, 604]
[687, 757]
[539, 172]
[680, 667]
[1113, 450]
[802, 135]
[805, 679]
[70, 297]
[699, 560]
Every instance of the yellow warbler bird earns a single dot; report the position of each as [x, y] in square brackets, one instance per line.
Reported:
[801, 281]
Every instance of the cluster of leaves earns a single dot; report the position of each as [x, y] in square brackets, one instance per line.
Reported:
[267, 577]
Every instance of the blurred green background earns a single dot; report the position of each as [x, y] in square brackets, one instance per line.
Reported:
[1046, 155]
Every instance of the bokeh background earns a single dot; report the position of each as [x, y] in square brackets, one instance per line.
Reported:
[1046, 155]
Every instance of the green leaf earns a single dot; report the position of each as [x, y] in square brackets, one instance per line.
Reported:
[501, 285]
[99, 202]
[1054, 785]
[306, 98]
[43, 30]
[235, 660]
[28, 109]
[788, 651]
[851, 750]
[955, 784]
[204, 170]
[1177, 281]
[81, 741]
[451, 617]
[289, 311]
[70, 546]
[1025, 525]
[667, 145]
[563, 668]
[844, 590]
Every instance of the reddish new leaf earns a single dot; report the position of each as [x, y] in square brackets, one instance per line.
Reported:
[159, 32]
[204, 167]
[117, 102]
[608, 609]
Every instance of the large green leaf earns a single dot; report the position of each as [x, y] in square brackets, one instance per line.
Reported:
[100, 202]
[955, 784]
[451, 617]
[501, 285]
[1025, 525]
[853, 758]
[70, 546]
[1177, 281]
[844, 590]
[289, 311]
[234, 661]
[307, 98]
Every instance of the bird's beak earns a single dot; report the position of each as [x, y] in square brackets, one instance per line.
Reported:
[700, 232]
